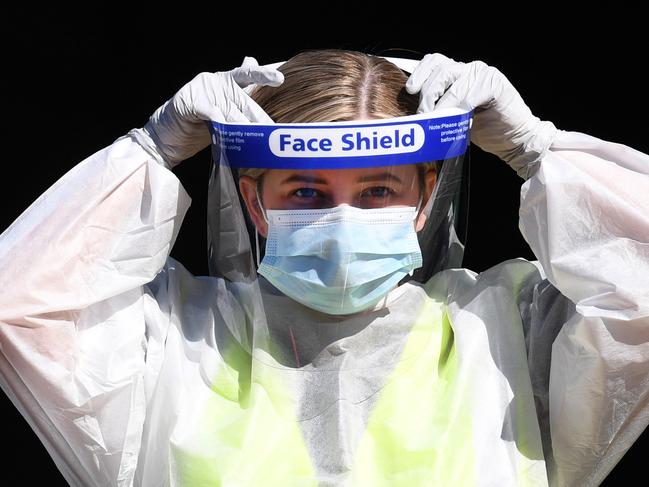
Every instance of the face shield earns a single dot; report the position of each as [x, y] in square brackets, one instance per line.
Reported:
[312, 174]
[317, 224]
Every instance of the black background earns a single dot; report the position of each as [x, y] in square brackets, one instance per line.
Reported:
[73, 89]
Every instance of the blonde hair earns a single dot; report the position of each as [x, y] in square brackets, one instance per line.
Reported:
[334, 85]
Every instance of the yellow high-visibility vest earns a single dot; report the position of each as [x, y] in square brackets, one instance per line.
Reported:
[418, 433]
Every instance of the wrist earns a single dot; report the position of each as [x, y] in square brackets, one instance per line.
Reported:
[533, 148]
[145, 137]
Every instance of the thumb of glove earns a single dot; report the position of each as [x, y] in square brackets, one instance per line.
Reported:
[251, 73]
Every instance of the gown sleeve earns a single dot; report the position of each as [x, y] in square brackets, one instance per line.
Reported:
[73, 338]
[585, 214]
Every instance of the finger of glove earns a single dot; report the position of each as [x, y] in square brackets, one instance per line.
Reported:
[236, 116]
[251, 73]
[249, 62]
[451, 99]
[434, 87]
[238, 103]
[423, 71]
[460, 95]
[253, 112]
[476, 87]
[213, 97]
[232, 112]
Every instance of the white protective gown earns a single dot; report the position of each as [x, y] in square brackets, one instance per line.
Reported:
[106, 342]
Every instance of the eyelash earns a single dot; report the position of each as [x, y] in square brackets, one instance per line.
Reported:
[390, 192]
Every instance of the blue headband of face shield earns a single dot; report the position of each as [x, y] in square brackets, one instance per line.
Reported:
[342, 259]
[411, 139]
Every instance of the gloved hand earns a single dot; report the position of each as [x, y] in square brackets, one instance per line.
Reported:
[502, 125]
[178, 129]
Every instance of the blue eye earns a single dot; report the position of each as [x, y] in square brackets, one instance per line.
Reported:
[306, 193]
[378, 192]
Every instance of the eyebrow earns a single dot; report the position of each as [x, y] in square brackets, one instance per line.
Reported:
[303, 178]
[384, 176]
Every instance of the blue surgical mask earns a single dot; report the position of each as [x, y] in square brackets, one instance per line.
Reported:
[340, 260]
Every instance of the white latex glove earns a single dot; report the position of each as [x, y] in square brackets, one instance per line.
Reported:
[178, 129]
[503, 124]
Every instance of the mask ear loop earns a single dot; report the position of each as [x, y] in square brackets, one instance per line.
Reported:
[263, 213]
[421, 200]
[422, 189]
[257, 247]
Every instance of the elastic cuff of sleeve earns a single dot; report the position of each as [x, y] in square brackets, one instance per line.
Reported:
[527, 163]
[142, 137]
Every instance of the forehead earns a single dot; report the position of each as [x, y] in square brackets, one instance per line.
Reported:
[403, 172]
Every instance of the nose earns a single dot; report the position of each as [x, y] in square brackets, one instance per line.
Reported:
[345, 198]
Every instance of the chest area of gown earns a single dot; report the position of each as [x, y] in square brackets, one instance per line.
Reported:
[365, 424]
